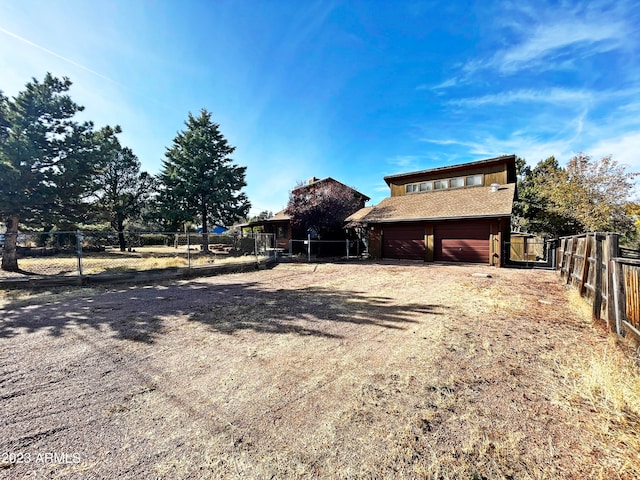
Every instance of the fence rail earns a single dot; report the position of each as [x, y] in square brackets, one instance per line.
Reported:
[324, 248]
[86, 252]
[593, 264]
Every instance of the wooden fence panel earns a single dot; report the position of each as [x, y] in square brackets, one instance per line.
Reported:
[580, 263]
[631, 276]
[585, 265]
[592, 264]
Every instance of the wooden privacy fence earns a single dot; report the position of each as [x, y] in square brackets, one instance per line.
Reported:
[592, 263]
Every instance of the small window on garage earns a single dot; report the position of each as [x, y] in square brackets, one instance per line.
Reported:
[473, 180]
[440, 184]
[411, 188]
[456, 182]
[426, 186]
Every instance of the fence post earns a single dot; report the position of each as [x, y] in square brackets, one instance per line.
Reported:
[618, 298]
[188, 251]
[597, 298]
[309, 247]
[612, 252]
[275, 248]
[347, 241]
[79, 251]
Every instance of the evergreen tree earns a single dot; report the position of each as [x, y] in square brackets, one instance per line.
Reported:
[198, 181]
[123, 188]
[48, 161]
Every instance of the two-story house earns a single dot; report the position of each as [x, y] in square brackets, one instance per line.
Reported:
[459, 213]
[280, 224]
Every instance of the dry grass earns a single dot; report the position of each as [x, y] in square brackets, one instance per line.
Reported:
[325, 371]
[607, 384]
[145, 258]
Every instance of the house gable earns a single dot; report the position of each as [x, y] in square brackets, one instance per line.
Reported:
[316, 184]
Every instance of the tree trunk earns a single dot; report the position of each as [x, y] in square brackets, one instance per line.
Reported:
[121, 240]
[10, 253]
[205, 232]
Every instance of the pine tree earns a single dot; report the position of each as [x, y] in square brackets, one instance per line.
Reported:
[198, 181]
[48, 161]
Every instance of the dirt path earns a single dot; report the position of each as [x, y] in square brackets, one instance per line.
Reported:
[303, 371]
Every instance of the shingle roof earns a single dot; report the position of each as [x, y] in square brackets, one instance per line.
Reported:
[279, 216]
[472, 202]
[355, 218]
[316, 181]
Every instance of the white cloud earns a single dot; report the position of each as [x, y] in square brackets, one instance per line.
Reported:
[549, 41]
[405, 162]
[623, 148]
[544, 39]
[451, 82]
[553, 96]
[54, 54]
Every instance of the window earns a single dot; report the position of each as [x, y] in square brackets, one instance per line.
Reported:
[473, 180]
[281, 232]
[456, 182]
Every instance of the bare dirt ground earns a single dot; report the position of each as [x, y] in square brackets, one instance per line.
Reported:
[360, 370]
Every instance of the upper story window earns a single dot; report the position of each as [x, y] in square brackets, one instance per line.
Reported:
[473, 180]
[457, 182]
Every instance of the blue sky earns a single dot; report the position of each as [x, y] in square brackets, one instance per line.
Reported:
[352, 90]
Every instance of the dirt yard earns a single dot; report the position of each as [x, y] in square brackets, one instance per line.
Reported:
[360, 370]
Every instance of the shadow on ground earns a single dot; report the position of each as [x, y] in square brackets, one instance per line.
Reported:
[141, 313]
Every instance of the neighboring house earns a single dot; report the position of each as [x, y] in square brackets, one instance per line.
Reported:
[460, 213]
[280, 224]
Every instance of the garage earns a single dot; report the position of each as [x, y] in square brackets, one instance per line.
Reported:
[462, 242]
[404, 241]
[453, 224]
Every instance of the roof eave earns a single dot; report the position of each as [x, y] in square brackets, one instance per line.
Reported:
[437, 219]
[486, 161]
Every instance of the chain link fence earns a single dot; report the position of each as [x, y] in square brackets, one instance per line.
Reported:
[86, 252]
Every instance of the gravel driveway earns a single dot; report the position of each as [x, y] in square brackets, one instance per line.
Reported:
[359, 370]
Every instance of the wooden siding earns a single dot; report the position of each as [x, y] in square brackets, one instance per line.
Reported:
[430, 240]
[492, 174]
[375, 241]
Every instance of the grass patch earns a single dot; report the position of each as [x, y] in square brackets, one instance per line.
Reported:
[607, 383]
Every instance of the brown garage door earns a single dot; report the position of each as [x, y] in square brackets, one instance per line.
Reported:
[462, 242]
[404, 241]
